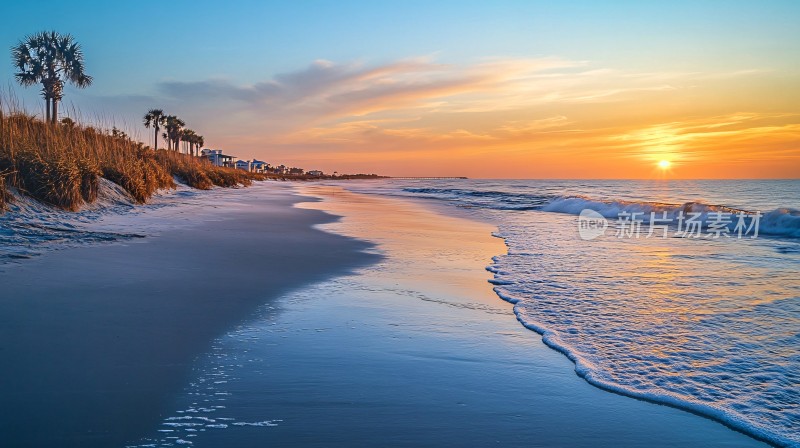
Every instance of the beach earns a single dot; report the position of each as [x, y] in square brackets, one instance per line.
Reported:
[95, 338]
[407, 224]
[255, 321]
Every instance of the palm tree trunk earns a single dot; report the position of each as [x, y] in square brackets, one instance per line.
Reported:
[155, 142]
[47, 107]
[55, 110]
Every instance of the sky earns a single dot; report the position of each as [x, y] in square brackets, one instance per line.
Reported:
[506, 89]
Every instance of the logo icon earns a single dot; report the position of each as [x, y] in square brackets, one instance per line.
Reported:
[591, 224]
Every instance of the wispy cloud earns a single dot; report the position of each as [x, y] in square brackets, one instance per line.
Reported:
[543, 112]
[739, 137]
[326, 92]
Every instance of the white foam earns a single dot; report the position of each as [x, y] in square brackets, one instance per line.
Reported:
[269, 423]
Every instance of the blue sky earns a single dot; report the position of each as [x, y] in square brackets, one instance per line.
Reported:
[130, 45]
[135, 50]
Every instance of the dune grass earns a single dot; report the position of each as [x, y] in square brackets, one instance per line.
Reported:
[61, 164]
[3, 192]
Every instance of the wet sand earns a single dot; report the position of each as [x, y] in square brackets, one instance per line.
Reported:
[95, 340]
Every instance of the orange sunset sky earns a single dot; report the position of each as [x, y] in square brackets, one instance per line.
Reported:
[517, 89]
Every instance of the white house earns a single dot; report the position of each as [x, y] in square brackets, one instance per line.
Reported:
[315, 173]
[243, 165]
[217, 158]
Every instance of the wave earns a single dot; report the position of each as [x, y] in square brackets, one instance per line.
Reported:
[491, 199]
[612, 209]
[779, 222]
[585, 369]
[711, 339]
[784, 222]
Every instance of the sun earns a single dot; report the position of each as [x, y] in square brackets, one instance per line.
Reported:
[664, 164]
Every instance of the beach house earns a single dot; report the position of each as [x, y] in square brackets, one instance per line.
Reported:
[258, 166]
[245, 165]
[316, 173]
[217, 158]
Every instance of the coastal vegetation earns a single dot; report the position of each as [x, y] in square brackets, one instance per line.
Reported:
[61, 164]
[155, 118]
[175, 132]
[52, 60]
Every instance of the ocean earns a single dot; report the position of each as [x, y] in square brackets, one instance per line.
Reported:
[684, 293]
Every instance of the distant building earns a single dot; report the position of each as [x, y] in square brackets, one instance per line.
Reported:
[217, 158]
[315, 173]
[257, 166]
[243, 165]
[296, 171]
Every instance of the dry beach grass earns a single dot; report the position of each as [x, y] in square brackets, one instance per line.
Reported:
[61, 164]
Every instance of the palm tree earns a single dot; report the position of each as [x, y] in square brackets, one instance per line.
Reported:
[50, 59]
[188, 136]
[194, 144]
[200, 143]
[173, 126]
[33, 60]
[71, 68]
[194, 141]
[156, 119]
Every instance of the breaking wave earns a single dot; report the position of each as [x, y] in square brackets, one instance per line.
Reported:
[784, 221]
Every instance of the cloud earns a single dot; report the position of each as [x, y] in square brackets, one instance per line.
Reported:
[740, 136]
[326, 92]
[541, 112]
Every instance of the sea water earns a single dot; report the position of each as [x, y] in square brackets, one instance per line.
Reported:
[708, 321]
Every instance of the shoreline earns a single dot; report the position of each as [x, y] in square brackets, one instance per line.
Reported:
[385, 322]
[585, 372]
[454, 284]
[98, 337]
